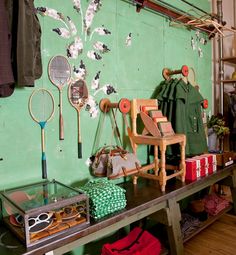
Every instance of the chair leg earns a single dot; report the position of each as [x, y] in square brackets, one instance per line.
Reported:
[135, 179]
[162, 175]
[156, 160]
[182, 163]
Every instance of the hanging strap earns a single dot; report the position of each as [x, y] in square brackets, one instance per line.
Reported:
[129, 131]
[99, 132]
[115, 129]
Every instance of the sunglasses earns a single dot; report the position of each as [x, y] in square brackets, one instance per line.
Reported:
[70, 212]
[77, 208]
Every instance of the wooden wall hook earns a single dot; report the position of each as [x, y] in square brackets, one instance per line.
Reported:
[123, 105]
[166, 73]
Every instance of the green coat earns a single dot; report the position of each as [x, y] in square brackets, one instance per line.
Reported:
[181, 103]
[25, 35]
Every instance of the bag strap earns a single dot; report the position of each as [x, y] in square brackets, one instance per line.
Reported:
[111, 150]
[129, 131]
[118, 151]
[132, 244]
[116, 127]
[98, 133]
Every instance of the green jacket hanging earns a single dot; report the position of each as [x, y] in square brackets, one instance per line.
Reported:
[181, 103]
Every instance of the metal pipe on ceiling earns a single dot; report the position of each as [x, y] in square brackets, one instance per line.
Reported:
[197, 8]
[171, 6]
[170, 11]
[161, 7]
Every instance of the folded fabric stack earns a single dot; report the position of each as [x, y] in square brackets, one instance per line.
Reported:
[188, 224]
[104, 197]
[214, 204]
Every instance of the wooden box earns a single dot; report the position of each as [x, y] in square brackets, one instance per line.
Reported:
[225, 158]
[42, 212]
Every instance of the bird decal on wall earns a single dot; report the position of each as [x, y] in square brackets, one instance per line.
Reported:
[76, 40]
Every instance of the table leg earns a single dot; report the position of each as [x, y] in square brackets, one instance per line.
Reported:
[174, 231]
[233, 190]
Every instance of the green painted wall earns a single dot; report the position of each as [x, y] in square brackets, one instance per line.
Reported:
[135, 72]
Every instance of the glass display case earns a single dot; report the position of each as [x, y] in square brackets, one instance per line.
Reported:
[45, 211]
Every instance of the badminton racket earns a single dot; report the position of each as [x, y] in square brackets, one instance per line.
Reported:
[41, 108]
[78, 95]
[59, 73]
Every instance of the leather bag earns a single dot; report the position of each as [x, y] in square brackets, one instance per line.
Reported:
[114, 162]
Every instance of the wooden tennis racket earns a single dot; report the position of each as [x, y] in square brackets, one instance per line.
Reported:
[78, 95]
[41, 108]
[59, 73]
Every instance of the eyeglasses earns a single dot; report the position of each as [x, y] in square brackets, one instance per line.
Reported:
[41, 218]
[44, 219]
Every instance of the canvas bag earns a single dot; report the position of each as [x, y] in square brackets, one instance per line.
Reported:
[114, 162]
[137, 242]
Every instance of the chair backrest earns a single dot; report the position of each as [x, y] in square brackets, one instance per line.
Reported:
[136, 108]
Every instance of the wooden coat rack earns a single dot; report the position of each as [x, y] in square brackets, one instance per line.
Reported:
[166, 73]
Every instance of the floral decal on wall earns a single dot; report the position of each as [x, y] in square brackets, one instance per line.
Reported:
[128, 40]
[74, 49]
[197, 42]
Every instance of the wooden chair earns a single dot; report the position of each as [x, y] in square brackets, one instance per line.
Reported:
[159, 142]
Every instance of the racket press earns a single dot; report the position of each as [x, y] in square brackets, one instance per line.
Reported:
[78, 96]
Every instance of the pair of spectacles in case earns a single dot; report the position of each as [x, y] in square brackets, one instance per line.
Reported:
[70, 212]
[38, 223]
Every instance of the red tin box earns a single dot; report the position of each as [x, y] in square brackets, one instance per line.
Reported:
[192, 169]
[211, 162]
[200, 166]
[203, 165]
